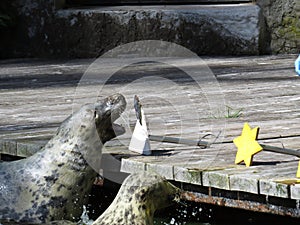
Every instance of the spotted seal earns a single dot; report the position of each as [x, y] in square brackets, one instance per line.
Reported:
[52, 184]
[140, 195]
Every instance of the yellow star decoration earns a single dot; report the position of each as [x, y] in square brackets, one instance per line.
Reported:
[298, 172]
[247, 145]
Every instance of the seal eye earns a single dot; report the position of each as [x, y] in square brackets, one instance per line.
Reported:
[96, 114]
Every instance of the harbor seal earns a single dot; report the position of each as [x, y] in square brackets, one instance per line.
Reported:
[140, 195]
[52, 184]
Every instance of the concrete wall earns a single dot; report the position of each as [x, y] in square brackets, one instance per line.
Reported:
[43, 30]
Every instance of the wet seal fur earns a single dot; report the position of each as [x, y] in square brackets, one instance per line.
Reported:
[140, 195]
[53, 183]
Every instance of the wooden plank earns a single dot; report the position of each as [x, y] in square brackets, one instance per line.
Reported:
[244, 182]
[271, 128]
[165, 170]
[255, 180]
[239, 178]
[186, 175]
[295, 191]
[265, 88]
[239, 100]
[31, 134]
[8, 147]
[130, 166]
[215, 179]
[26, 149]
[271, 188]
[268, 183]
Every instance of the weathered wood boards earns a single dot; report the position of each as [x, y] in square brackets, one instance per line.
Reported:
[264, 90]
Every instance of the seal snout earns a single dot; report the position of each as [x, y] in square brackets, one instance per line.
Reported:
[111, 107]
[176, 196]
[117, 103]
[107, 111]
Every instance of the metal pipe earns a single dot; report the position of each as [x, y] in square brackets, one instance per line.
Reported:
[178, 141]
[280, 150]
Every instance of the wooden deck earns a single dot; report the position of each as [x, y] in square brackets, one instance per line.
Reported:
[36, 96]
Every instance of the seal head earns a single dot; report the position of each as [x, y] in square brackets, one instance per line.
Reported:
[106, 112]
[140, 195]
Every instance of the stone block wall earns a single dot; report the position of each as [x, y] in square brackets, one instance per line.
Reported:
[43, 30]
[26, 37]
[283, 24]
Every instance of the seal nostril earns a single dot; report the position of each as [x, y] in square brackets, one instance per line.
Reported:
[110, 104]
[173, 197]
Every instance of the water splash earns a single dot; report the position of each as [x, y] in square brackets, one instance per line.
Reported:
[84, 218]
[186, 214]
